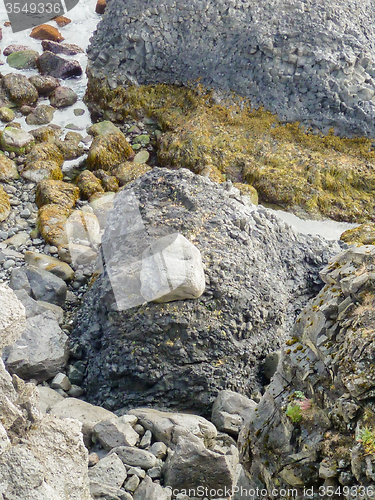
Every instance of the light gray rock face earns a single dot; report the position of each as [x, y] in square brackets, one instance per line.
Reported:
[12, 317]
[151, 491]
[259, 273]
[309, 423]
[114, 432]
[86, 413]
[109, 472]
[308, 61]
[42, 350]
[41, 457]
[167, 427]
[229, 411]
[47, 398]
[192, 463]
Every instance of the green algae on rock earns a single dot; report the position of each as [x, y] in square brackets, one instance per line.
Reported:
[361, 235]
[45, 151]
[325, 175]
[128, 171]
[19, 89]
[6, 114]
[16, 140]
[52, 224]
[36, 171]
[89, 184]
[56, 192]
[25, 59]
[108, 151]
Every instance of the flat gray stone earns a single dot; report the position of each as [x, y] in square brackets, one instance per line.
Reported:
[136, 457]
[113, 432]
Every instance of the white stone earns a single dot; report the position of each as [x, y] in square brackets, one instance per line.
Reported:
[110, 471]
[229, 411]
[4, 440]
[114, 432]
[14, 137]
[87, 414]
[148, 490]
[47, 398]
[61, 381]
[172, 269]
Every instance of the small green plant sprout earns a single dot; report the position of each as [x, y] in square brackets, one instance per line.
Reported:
[366, 436]
[295, 411]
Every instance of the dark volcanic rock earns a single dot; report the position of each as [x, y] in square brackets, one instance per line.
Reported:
[54, 65]
[68, 49]
[259, 274]
[312, 62]
[315, 423]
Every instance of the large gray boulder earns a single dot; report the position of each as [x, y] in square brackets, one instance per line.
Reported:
[191, 463]
[229, 411]
[85, 413]
[179, 354]
[311, 62]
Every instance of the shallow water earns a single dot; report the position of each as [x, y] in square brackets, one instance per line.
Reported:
[84, 22]
[328, 229]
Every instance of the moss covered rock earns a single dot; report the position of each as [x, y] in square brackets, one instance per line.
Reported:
[89, 184]
[52, 224]
[289, 166]
[19, 89]
[108, 150]
[8, 169]
[16, 140]
[110, 183]
[37, 171]
[4, 204]
[128, 171]
[248, 190]
[24, 59]
[70, 148]
[56, 192]
[46, 133]
[361, 235]
[45, 151]
[6, 114]
[103, 128]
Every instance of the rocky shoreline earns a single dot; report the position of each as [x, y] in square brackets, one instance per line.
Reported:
[176, 341]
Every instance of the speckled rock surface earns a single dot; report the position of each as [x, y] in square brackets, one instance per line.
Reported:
[315, 423]
[258, 275]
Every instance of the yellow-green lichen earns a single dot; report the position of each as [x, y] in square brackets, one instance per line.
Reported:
[325, 175]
